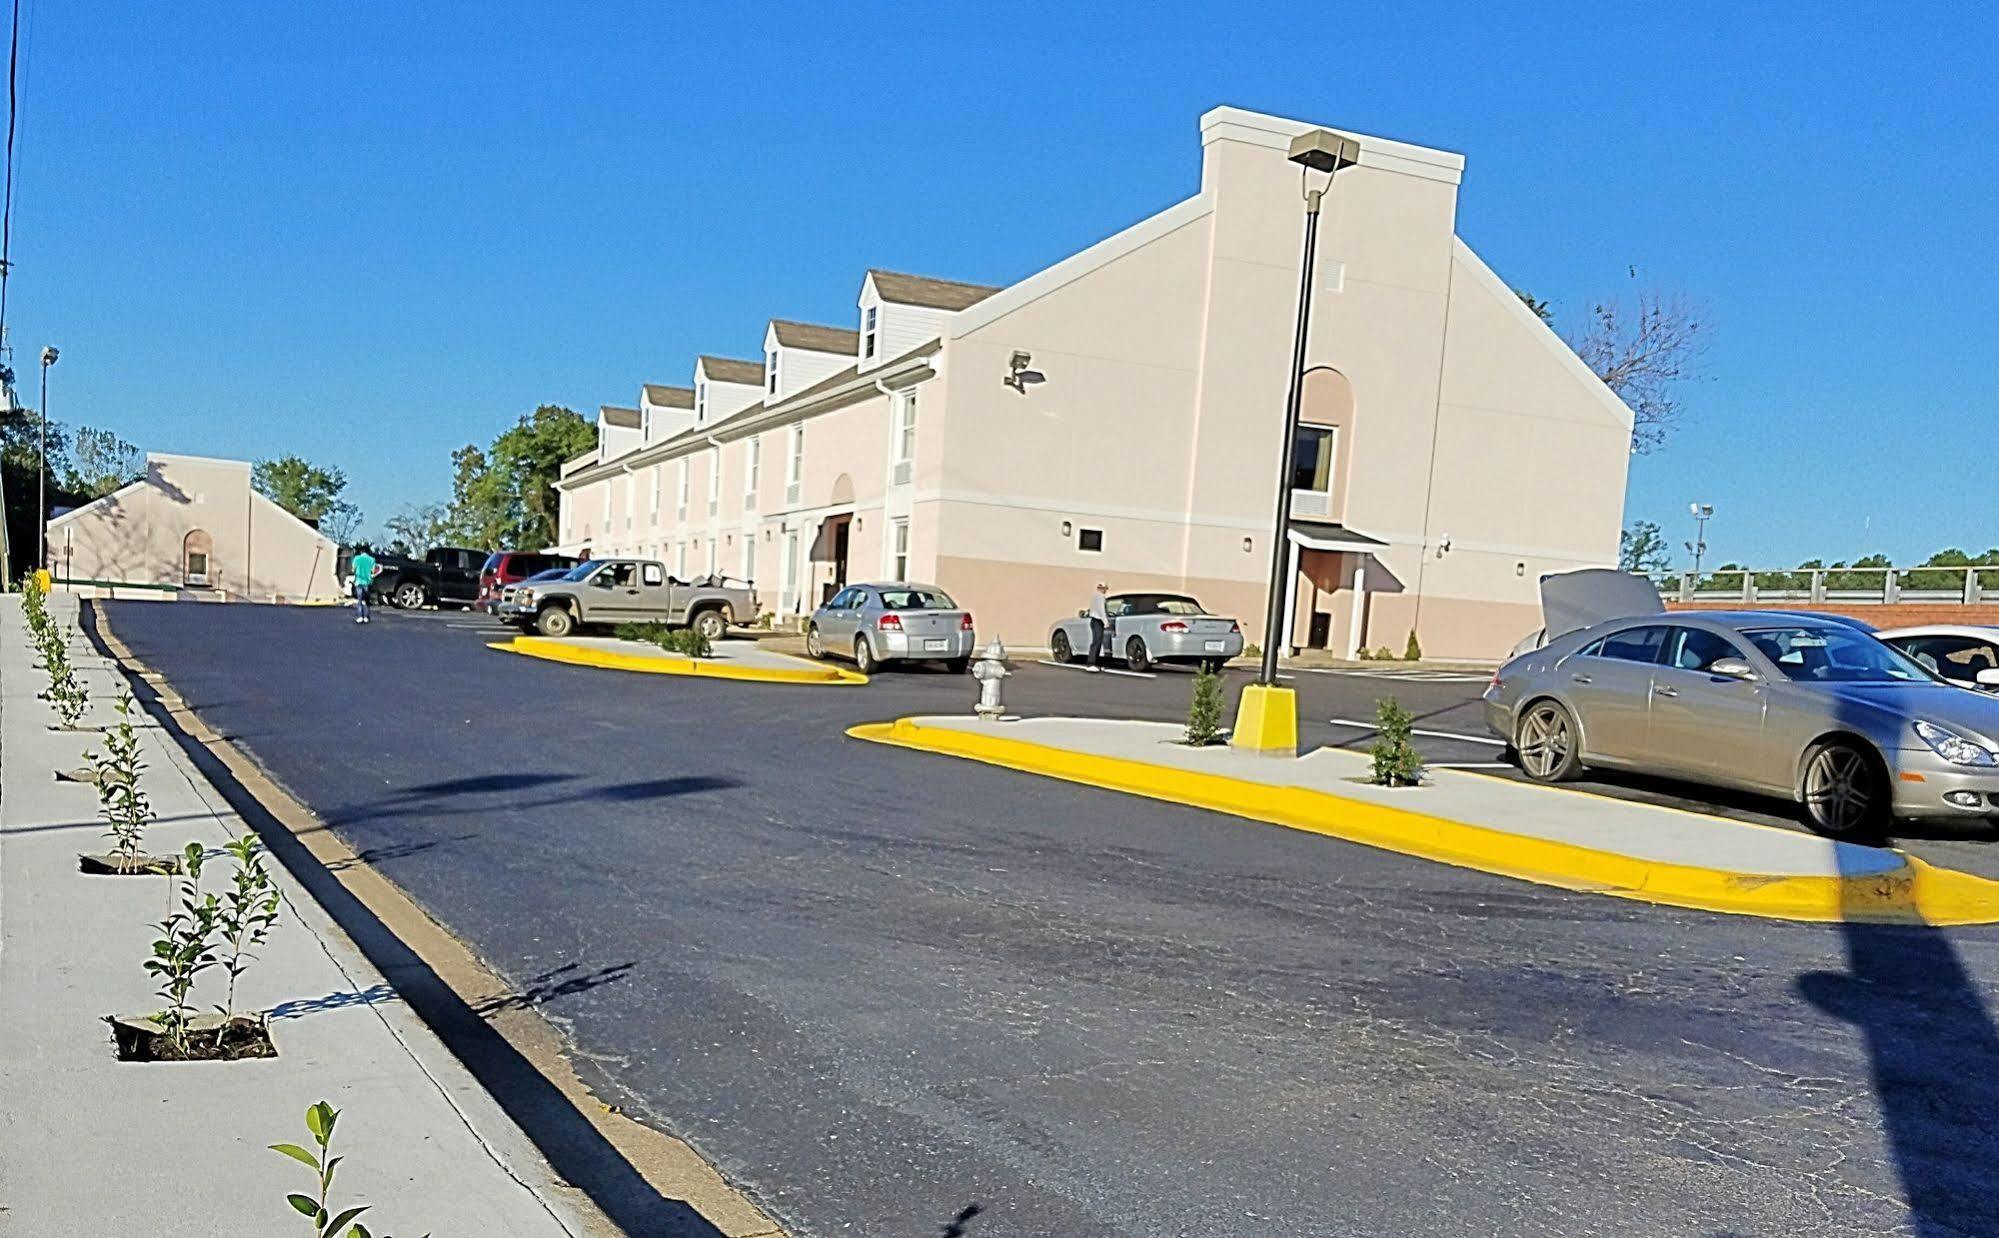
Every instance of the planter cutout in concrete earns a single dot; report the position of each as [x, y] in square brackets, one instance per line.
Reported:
[210, 1038]
[112, 864]
[79, 729]
[82, 773]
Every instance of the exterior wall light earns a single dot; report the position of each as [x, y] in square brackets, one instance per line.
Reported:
[1018, 376]
[1248, 544]
[1067, 528]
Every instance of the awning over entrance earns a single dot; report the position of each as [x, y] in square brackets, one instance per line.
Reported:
[1315, 536]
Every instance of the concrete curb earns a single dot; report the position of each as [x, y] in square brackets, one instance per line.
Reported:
[656, 664]
[1915, 893]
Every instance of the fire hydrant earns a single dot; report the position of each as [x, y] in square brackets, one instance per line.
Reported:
[989, 670]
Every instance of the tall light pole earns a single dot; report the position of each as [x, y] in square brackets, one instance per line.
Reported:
[1267, 718]
[1702, 513]
[42, 468]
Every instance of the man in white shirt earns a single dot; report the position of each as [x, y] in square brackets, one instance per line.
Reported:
[1100, 624]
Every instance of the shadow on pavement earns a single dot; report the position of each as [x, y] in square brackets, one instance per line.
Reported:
[574, 1148]
[564, 981]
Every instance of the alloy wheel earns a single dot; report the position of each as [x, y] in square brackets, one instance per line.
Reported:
[1839, 789]
[1544, 741]
[814, 648]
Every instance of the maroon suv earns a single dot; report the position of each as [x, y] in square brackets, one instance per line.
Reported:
[508, 567]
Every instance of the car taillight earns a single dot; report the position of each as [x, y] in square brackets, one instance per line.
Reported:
[1235, 625]
[1173, 625]
[1495, 680]
[965, 622]
[889, 623]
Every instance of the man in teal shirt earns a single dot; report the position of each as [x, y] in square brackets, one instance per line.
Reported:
[364, 580]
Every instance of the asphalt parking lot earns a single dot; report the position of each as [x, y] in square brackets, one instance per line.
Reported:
[878, 988]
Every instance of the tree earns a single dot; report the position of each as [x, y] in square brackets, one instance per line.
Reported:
[1540, 308]
[305, 490]
[414, 530]
[102, 462]
[504, 495]
[1646, 354]
[1642, 548]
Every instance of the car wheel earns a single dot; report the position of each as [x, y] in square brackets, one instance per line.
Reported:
[864, 656]
[1845, 791]
[711, 624]
[1058, 648]
[1548, 743]
[1135, 655]
[957, 666]
[555, 621]
[409, 595]
[814, 647]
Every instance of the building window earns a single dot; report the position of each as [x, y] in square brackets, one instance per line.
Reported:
[680, 561]
[607, 505]
[1091, 540]
[770, 370]
[701, 401]
[750, 557]
[898, 549]
[713, 564]
[868, 335]
[1312, 454]
[752, 467]
[680, 490]
[794, 472]
[656, 484]
[905, 437]
[714, 481]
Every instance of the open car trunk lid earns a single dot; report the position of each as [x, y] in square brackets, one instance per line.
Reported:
[1571, 601]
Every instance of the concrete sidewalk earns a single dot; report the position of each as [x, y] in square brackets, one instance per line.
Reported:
[90, 1145]
[1550, 835]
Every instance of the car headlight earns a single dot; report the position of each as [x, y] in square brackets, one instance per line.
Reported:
[1953, 747]
[525, 595]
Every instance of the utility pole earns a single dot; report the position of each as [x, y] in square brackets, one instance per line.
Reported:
[1702, 513]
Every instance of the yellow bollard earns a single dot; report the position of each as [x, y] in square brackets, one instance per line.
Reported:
[1266, 721]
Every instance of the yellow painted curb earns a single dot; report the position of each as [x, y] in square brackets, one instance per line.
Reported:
[1917, 893]
[655, 664]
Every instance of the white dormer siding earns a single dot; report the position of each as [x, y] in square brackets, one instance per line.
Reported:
[618, 431]
[665, 411]
[901, 312]
[798, 355]
[724, 387]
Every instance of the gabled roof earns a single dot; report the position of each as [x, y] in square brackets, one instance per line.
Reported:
[814, 338]
[730, 370]
[944, 294]
[661, 396]
[623, 418]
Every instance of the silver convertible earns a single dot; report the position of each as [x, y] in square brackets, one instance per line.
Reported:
[892, 622]
[1152, 627]
[1804, 707]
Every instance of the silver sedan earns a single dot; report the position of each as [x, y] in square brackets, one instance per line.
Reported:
[1152, 627]
[894, 621]
[1803, 707]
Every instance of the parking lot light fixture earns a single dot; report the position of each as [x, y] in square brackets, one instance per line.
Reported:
[1267, 715]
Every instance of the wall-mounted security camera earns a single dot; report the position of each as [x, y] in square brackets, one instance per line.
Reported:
[1018, 376]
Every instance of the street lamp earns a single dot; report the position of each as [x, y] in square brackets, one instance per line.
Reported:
[1267, 716]
[1702, 513]
[42, 468]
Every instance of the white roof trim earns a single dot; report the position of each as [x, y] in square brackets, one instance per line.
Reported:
[1076, 266]
[1542, 332]
[74, 512]
[1276, 132]
[1310, 542]
[166, 455]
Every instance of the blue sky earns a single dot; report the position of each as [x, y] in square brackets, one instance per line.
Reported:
[369, 233]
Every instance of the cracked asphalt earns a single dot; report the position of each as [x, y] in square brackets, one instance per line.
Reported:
[879, 989]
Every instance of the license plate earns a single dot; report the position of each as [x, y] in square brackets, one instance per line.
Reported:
[1216, 646]
[936, 646]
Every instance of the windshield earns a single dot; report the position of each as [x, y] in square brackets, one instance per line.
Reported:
[915, 599]
[582, 570]
[1836, 655]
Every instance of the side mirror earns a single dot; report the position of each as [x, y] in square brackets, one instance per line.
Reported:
[1734, 668]
[1989, 678]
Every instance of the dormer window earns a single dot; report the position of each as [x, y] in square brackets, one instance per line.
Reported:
[868, 333]
[770, 371]
[701, 401]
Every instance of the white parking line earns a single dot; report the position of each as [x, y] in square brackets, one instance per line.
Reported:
[1108, 670]
[1468, 765]
[1486, 740]
[1412, 675]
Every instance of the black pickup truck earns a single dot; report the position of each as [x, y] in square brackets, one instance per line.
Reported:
[446, 575]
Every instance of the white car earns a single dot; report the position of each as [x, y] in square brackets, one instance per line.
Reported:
[1965, 654]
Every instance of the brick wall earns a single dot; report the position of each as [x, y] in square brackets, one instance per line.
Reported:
[1898, 615]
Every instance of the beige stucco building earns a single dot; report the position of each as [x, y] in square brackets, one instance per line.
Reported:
[192, 527]
[1117, 416]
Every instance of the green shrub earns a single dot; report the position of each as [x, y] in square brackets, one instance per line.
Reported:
[249, 911]
[319, 1122]
[1204, 712]
[185, 949]
[1252, 650]
[1381, 654]
[648, 633]
[1413, 651]
[121, 801]
[687, 642]
[1396, 761]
